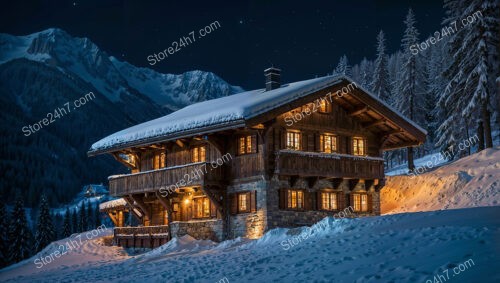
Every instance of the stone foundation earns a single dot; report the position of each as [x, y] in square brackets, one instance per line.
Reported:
[199, 229]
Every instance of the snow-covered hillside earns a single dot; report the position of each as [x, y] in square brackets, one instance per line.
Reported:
[411, 247]
[468, 182]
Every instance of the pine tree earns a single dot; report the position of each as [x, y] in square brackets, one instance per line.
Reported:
[407, 99]
[20, 236]
[380, 82]
[44, 230]
[74, 222]
[90, 217]
[82, 225]
[343, 67]
[365, 72]
[97, 216]
[4, 236]
[66, 231]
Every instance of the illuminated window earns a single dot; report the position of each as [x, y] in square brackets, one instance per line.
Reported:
[358, 146]
[159, 160]
[328, 143]
[243, 202]
[324, 106]
[295, 199]
[360, 202]
[329, 201]
[293, 140]
[201, 207]
[198, 154]
[247, 144]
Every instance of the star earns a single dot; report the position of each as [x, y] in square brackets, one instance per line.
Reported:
[74, 3]
[241, 22]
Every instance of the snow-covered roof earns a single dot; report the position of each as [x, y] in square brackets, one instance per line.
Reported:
[112, 204]
[230, 111]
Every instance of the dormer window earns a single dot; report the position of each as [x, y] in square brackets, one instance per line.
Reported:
[198, 154]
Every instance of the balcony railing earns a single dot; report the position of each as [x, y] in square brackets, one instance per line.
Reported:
[195, 174]
[141, 231]
[311, 164]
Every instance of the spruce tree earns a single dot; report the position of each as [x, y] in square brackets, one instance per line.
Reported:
[20, 235]
[66, 231]
[90, 217]
[82, 225]
[74, 222]
[380, 83]
[97, 215]
[343, 67]
[44, 230]
[408, 88]
[4, 236]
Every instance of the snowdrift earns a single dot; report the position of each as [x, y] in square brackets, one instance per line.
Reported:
[411, 247]
[472, 181]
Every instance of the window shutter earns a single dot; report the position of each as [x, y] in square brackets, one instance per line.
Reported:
[317, 144]
[303, 142]
[340, 200]
[319, 203]
[233, 198]
[253, 201]
[254, 143]
[213, 210]
[351, 200]
[283, 139]
[307, 200]
[370, 203]
[194, 209]
[282, 198]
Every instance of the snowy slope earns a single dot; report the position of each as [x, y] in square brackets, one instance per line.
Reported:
[395, 248]
[468, 182]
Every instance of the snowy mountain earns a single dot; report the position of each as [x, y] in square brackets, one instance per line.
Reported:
[43, 71]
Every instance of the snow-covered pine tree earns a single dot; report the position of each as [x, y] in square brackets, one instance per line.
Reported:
[44, 229]
[82, 223]
[4, 236]
[380, 81]
[66, 231]
[74, 222]
[90, 217]
[97, 215]
[365, 69]
[20, 235]
[408, 84]
[478, 63]
[343, 67]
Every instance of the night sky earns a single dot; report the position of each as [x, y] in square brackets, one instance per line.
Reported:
[303, 38]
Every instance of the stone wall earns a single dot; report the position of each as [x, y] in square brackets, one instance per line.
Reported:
[250, 225]
[199, 229]
[277, 217]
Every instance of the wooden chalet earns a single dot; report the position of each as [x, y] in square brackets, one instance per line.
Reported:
[282, 156]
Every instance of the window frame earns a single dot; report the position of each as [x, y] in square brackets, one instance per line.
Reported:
[329, 194]
[289, 199]
[322, 143]
[247, 141]
[327, 107]
[195, 154]
[296, 142]
[206, 206]
[355, 204]
[355, 145]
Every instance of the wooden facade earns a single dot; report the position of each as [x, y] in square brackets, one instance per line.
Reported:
[289, 166]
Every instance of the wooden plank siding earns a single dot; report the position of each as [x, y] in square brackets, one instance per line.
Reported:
[152, 181]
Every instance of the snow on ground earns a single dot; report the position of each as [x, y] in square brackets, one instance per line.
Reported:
[411, 247]
[436, 159]
[468, 182]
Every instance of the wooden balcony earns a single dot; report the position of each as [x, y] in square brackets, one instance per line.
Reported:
[194, 174]
[141, 237]
[311, 164]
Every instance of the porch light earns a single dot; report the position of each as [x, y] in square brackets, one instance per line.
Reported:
[186, 201]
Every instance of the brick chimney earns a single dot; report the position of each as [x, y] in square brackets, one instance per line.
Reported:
[273, 78]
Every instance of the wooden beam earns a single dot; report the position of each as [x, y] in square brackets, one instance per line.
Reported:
[358, 111]
[132, 208]
[143, 207]
[216, 142]
[374, 124]
[213, 198]
[336, 183]
[165, 202]
[180, 143]
[380, 185]
[369, 183]
[116, 155]
[311, 181]
[293, 180]
[115, 221]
